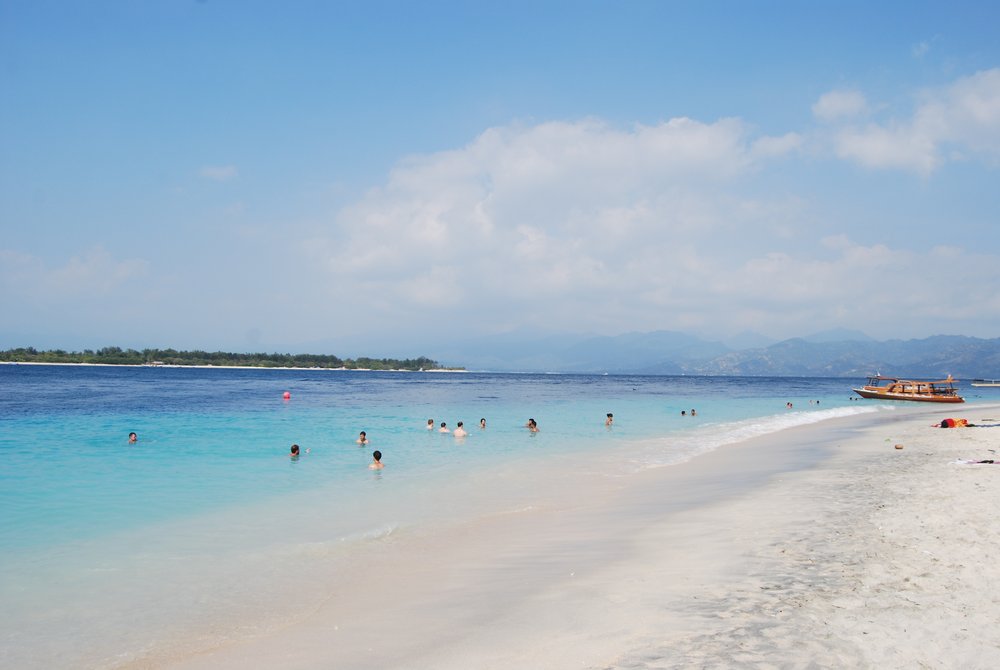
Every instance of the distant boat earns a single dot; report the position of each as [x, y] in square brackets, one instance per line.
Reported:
[986, 382]
[893, 388]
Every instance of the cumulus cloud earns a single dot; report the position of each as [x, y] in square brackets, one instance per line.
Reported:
[93, 272]
[957, 122]
[843, 104]
[556, 211]
[219, 172]
[585, 226]
[861, 284]
[766, 147]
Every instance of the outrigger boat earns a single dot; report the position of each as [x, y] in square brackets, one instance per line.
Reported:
[986, 382]
[891, 388]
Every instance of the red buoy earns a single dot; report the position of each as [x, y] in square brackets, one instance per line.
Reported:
[286, 395]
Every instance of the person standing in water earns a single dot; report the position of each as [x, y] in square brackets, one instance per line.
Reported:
[376, 463]
[610, 420]
[362, 438]
[459, 430]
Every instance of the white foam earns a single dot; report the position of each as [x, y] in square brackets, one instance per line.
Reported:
[679, 448]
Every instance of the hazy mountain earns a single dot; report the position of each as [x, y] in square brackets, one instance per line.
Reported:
[838, 335]
[658, 352]
[839, 353]
[938, 356]
[748, 340]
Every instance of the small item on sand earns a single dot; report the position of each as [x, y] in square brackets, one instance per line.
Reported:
[899, 446]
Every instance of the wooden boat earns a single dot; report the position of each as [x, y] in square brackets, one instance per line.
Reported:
[892, 388]
[986, 382]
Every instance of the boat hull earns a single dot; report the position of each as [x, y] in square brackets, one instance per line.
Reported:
[914, 397]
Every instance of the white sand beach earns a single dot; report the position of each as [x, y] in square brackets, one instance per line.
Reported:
[745, 557]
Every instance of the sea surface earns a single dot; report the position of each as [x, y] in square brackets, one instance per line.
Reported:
[107, 547]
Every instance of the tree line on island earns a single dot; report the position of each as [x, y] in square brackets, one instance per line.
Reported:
[119, 356]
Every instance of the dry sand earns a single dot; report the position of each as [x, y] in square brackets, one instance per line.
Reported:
[873, 557]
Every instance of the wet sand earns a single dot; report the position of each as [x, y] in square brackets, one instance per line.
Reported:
[820, 546]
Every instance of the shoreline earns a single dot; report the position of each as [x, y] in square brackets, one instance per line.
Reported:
[743, 556]
[224, 367]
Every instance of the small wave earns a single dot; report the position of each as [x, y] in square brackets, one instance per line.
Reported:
[676, 449]
[377, 533]
[517, 510]
[325, 548]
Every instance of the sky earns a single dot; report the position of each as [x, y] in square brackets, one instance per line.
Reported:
[377, 178]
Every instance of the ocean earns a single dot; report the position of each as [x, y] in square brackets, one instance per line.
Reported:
[110, 551]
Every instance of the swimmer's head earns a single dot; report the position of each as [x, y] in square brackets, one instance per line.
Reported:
[377, 455]
[460, 424]
[295, 450]
[443, 424]
[132, 437]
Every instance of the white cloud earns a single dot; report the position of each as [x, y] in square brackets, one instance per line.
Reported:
[555, 210]
[889, 147]
[90, 294]
[842, 104]
[219, 172]
[952, 123]
[583, 226]
[92, 273]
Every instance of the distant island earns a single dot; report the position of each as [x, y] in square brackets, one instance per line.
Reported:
[154, 357]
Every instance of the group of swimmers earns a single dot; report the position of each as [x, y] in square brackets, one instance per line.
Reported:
[459, 431]
[376, 463]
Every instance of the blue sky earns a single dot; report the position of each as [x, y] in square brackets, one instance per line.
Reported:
[380, 177]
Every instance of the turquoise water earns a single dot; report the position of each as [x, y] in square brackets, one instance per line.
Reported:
[221, 437]
[207, 505]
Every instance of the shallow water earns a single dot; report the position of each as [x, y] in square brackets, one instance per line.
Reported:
[209, 497]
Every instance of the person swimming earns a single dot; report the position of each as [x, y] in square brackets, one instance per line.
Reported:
[362, 438]
[532, 426]
[610, 420]
[482, 424]
[459, 430]
[133, 438]
[443, 428]
[376, 463]
[430, 424]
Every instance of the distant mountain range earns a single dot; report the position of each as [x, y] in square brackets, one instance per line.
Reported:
[839, 353]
